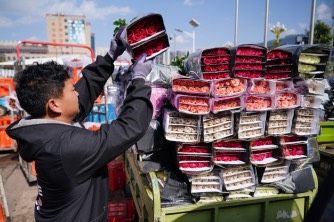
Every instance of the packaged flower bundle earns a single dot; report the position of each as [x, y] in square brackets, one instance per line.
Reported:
[222, 157]
[287, 100]
[191, 86]
[250, 50]
[217, 126]
[207, 183]
[152, 48]
[190, 104]
[210, 64]
[251, 124]
[280, 122]
[260, 86]
[189, 163]
[224, 104]
[249, 61]
[284, 85]
[201, 149]
[312, 63]
[181, 127]
[237, 178]
[142, 35]
[259, 103]
[229, 87]
[263, 143]
[251, 74]
[275, 173]
[293, 139]
[311, 102]
[144, 28]
[278, 54]
[263, 157]
[264, 151]
[158, 95]
[194, 164]
[229, 145]
[292, 152]
[308, 61]
[306, 122]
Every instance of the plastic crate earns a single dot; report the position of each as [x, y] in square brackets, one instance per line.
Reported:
[280, 207]
[117, 177]
[6, 86]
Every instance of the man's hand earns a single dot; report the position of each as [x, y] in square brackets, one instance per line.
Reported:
[142, 67]
[116, 46]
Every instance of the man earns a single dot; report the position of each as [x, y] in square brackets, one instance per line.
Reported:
[71, 162]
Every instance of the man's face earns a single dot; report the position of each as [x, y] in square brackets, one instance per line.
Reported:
[69, 102]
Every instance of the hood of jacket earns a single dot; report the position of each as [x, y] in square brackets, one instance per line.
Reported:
[32, 134]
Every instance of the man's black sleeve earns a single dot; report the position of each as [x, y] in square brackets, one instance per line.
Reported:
[91, 84]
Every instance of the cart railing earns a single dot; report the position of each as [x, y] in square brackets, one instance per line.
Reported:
[20, 43]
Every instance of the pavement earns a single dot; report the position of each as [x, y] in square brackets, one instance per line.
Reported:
[20, 195]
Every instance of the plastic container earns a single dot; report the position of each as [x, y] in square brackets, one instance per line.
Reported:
[116, 173]
[113, 101]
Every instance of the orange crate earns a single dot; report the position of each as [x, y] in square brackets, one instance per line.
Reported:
[5, 83]
[5, 140]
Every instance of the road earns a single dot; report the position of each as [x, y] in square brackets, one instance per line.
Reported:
[20, 196]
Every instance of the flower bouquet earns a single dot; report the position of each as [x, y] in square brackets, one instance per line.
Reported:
[279, 64]
[280, 122]
[224, 104]
[306, 122]
[210, 64]
[249, 61]
[287, 100]
[181, 127]
[275, 173]
[229, 87]
[146, 34]
[194, 162]
[259, 103]
[152, 48]
[284, 85]
[292, 152]
[237, 178]
[207, 183]
[216, 127]
[251, 124]
[191, 86]
[229, 145]
[222, 157]
[264, 151]
[260, 86]
[198, 105]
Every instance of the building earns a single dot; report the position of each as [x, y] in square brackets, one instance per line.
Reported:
[61, 28]
[72, 29]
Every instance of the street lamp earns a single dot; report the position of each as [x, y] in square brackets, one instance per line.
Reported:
[194, 24]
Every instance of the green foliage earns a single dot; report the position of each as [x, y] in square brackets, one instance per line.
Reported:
[119, 23]
[322, 33]
[179, 62]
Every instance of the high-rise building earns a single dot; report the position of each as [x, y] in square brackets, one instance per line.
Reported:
[72, 29]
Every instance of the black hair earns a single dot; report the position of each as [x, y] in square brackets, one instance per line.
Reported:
[39, 83]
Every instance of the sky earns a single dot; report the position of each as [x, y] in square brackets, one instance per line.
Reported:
[25, 19]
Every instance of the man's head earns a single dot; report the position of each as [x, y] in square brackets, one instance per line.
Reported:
[46, 91]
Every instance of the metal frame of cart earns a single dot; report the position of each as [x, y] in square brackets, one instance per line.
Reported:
[281, 207]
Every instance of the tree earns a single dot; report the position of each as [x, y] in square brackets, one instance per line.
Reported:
[322, 33]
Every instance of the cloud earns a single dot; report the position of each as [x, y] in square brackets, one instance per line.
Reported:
[323, 12]
[291, 32]
[302, 25]
[192, 2]
[13, 12]
[5, 22]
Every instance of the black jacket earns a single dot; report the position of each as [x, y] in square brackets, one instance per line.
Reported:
[71, 161]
